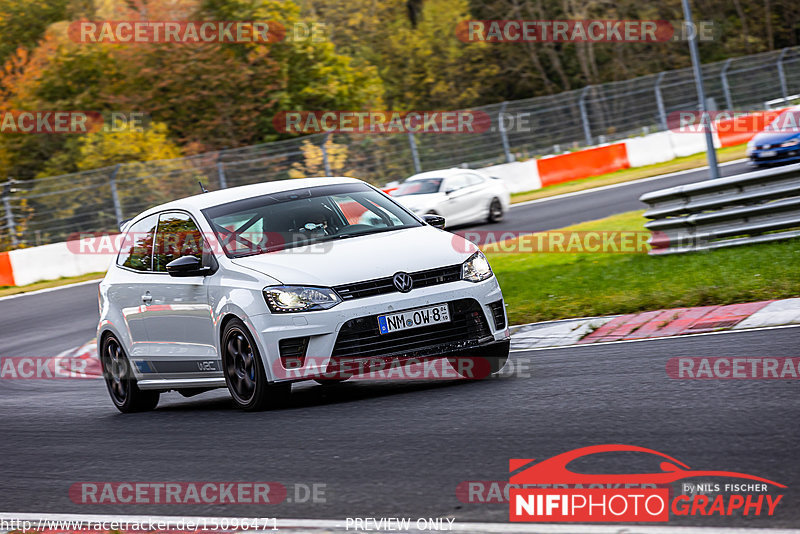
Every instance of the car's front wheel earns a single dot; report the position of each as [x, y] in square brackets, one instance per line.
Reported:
[482, 362]
[121, 384]
[244, 371]
[495, 211]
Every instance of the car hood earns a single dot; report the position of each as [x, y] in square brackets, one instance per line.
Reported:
[419, 202]
[362, 258]
[773, 138]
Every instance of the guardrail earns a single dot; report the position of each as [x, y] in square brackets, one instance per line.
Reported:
[755, 207]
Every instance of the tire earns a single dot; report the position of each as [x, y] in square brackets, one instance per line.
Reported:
[495, 211]
[121, 384]
[244, 371]
[481, 363]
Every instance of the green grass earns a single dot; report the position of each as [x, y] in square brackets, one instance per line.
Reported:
[13, 290]
[546, 286]
[626, 175]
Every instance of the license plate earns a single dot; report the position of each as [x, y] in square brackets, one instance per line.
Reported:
[414, 318]
[768, 153]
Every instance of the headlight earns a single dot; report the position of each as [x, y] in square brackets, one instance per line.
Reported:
[791, 142]
[283, 299]
[476, 268]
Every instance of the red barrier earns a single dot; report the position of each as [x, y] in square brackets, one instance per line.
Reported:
[6, 272]
[740, 130]
[583, 164]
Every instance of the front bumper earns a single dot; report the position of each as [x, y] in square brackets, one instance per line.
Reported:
[322, 329]
[782, 156]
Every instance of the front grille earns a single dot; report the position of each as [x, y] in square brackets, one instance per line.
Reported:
[360, 338]
[293, 352]
[498, 314]
[381, 286]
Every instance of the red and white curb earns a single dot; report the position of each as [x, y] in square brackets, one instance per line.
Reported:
[87, 353]
[656, 324]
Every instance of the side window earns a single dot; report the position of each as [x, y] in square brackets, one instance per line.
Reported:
[454, 183]
[136, 250]
[473, 179]
[177, 236]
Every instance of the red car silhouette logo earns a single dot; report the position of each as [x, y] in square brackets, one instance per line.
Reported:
[554, 470]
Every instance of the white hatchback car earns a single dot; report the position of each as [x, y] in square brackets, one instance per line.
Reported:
[250, 288]
[461, 196]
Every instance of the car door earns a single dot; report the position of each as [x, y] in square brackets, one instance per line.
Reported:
[135, 277]
[178, 320]
[454, 207]
[476, 196]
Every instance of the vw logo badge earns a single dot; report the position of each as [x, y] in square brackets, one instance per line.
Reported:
[403, 282]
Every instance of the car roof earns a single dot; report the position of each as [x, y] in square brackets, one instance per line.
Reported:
[223, 196]
[444, 173]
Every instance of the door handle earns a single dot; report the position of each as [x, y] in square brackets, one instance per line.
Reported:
[147, 298]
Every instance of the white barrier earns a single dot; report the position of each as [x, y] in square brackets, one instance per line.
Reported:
[649, 149]
[686, 144]
[57, 260]
[518, 176]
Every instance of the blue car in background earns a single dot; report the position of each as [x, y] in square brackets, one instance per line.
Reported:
[779, 143]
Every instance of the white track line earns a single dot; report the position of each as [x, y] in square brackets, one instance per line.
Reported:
[341, 525]
[49, 289]
[684, 336]
[621, 184]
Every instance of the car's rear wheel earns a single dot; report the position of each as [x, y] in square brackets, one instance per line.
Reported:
[495, 211]
[121, 384]
[482, 362]
[244, 371]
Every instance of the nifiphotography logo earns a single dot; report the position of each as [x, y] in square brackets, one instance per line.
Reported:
[576, 497]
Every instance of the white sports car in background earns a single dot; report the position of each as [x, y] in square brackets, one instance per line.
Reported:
[461, 196]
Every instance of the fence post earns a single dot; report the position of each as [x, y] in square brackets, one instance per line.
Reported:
[503, 135]
[587, 132]
[662, 112]
[414, 154]
[324, 149]
[223, 181]
[782, 75]
[112, 181]
[12, 226]
[726, 89]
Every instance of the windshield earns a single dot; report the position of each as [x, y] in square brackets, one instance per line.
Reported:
[418, 187]
[788, 121]
[304, 216]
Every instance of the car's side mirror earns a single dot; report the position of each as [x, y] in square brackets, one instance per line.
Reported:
[434, 220]
[187, 266]
[449, 191]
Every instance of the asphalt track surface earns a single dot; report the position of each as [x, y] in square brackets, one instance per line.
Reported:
[396, 448]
